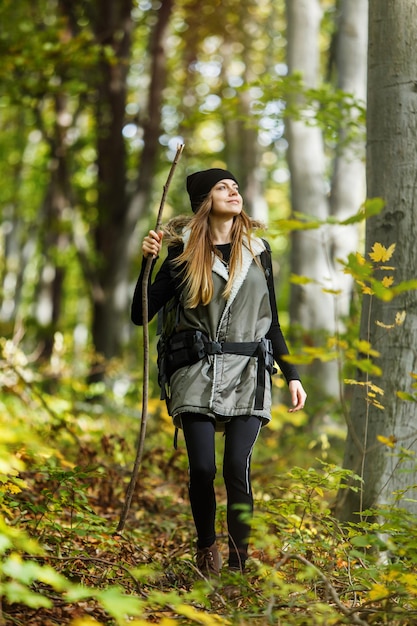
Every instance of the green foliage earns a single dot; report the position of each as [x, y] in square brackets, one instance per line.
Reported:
[53, 56]
[333, 110]
[373, 277]
[299, 221]
[66, 446]
[62, 485]
[42, 56]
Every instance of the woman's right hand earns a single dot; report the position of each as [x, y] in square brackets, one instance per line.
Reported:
[152, 243]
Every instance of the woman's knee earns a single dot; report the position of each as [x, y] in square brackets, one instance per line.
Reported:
[235, 469]
[202, 474]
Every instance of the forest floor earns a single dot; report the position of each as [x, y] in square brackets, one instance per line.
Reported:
[74, 514]
[303, 569]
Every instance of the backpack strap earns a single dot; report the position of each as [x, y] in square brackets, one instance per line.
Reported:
[266, 259]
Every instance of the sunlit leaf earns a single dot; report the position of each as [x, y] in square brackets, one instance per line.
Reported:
[332, 292]
[400, 317]
[378, 591]
[387, 441]
[380, 253]
[118, 604]
[376, 388]
[376, 404]
[404, 395]
[371, 207]
[201, 617]
[296, 279]
[296, 224]
[410, 582]
[366, 365]
[405, 285]
[387, 281]
[386, 326]
[365, 347]
[365, 288]
[380, 291]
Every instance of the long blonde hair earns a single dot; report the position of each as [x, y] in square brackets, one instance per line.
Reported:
[197, 257]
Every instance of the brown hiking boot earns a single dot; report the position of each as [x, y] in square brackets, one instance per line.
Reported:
[209, 560]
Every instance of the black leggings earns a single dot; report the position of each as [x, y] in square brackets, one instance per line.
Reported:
[241, 433]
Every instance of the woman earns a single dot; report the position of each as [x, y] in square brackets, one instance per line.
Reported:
[227, 308]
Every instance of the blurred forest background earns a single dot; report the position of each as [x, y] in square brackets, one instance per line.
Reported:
[95, 97]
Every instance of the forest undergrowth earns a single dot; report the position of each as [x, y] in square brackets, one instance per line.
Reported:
[65, 462]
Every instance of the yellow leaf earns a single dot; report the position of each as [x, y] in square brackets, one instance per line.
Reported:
[393, 575]
[351, 381]
[387, 326]
[376, 389]
[387, 441]
[378, 591]
[296, 279]
[360, 259]
[365, 288]
[365, 347]
[410, 582]
[12, 488]
[201, 617]
[377, 404]
[387, 281]
[332, 292]
[400, 317]
[381, 253]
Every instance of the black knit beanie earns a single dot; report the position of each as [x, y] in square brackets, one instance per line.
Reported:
[199, 184]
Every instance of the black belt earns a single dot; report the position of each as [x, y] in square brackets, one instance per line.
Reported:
[188, 347]
[262, 350]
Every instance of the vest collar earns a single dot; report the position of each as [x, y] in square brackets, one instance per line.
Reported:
[219, 268]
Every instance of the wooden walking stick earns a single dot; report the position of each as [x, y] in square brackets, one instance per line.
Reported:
[144, 418]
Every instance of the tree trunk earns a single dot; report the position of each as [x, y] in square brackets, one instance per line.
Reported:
[113, 28]
[18, 245]
[348, 189]
[310, 308]
[118, 214]
[158, 54]
[314, 253]
[55, 236]
[391, 174]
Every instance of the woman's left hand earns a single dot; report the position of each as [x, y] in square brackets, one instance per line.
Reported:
[298, 395]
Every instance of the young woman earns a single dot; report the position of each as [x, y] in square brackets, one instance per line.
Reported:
[228, 337]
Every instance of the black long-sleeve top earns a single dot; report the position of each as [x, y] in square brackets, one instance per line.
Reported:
[167, 284]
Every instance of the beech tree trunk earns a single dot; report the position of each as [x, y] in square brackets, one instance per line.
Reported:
[310, 308]
[314, 253]
[348, 188]
[55, 239]
[391, 174]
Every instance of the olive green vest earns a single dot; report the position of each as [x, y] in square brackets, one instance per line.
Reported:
[224, 385]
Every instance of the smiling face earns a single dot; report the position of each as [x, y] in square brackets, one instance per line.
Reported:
[226, 199]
